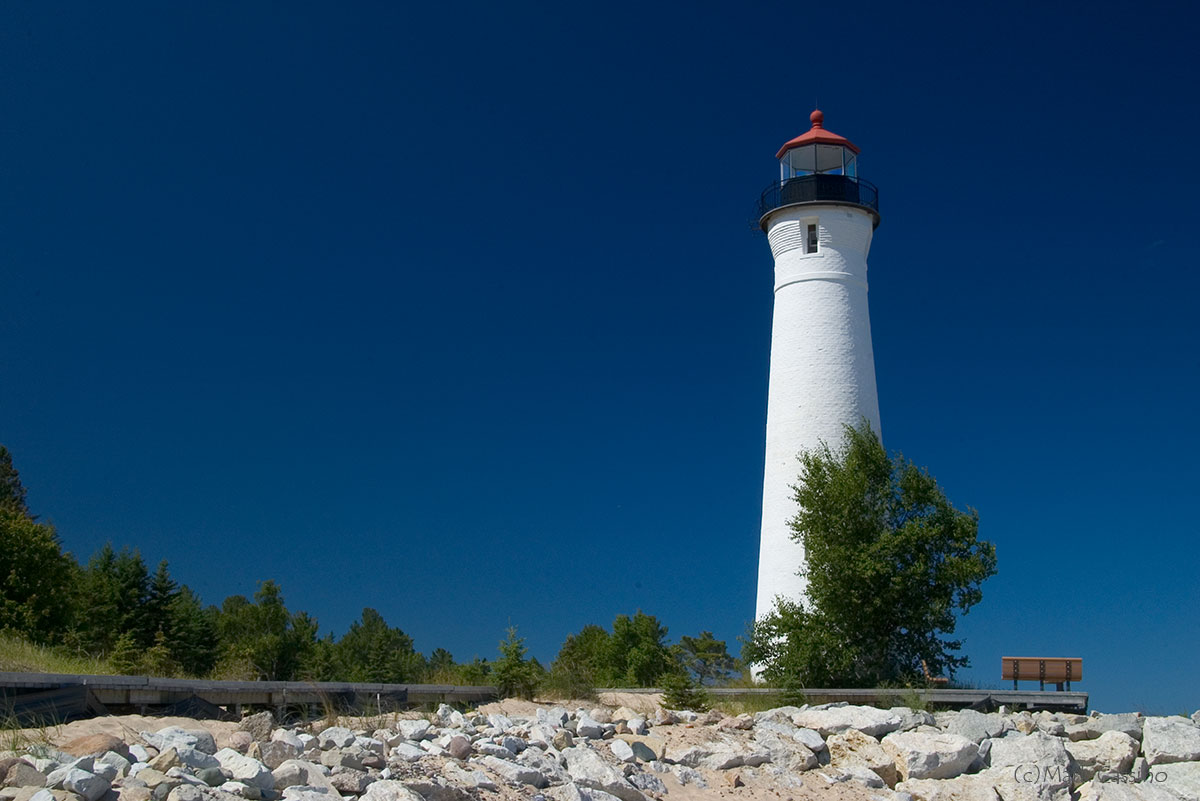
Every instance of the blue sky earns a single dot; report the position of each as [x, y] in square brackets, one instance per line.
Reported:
[453, 310]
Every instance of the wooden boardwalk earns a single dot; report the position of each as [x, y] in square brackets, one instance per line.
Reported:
[46, 696]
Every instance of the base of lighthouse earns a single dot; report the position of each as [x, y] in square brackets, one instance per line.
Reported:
[822, 366]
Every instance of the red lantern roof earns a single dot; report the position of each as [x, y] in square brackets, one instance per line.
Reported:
[817, 135]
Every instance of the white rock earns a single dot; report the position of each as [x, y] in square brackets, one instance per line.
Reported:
[335, 737]
[87, 785]
[246, 769]
[975, 726]
[491, 749]
[1170, 739]
[854, 749]
[835, 720]
[786, 752]
[302, 792]
[390, 790]
[243, 790]
[176, 736]
[415, 730]
[371, 744]
[922, 755]
[288, 736]
[588, 769]
[407, 752]
[1182, 778]
[297, 772]
[514, 772]
[1111, 751]
[476, 779]
[1031, 759]
[589, 728]
[549, 765]
[1118, 791]
[501, 722]
[139, 753]
[622, 751]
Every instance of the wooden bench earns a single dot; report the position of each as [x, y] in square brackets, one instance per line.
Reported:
[1061, 670]
[932, 679]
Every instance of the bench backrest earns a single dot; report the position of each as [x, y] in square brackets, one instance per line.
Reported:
[1029, 668]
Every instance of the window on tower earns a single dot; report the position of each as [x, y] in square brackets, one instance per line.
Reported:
[811, 246]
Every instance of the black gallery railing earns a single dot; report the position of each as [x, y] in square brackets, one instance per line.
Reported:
[815, 188]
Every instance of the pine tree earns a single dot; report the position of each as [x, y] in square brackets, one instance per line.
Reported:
[513, 673]
[194, 643]
[126, 656]
[159, 598]
[12, 492]
[158, 661]
[681, 692]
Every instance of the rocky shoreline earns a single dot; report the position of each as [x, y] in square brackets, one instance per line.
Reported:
[521, 750]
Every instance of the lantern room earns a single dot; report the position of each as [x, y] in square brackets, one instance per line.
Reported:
[818, 152]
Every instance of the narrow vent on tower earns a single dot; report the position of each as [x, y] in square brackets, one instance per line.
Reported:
[812, 239]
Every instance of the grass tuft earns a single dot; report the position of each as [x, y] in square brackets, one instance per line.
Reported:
[18, 655]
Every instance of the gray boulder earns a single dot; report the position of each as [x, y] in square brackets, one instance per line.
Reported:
[586, 726]
[474, 779]
[415, 730]
[975, 726]
[390, 790]
[1112, 751]
[925, 755]
[175, 736]
[1170, 739]
[87, 786]
[335, 737]
[835, 720]
[245, 769]
[514, 772]
[852, 749]
[587, 769]
[406, 752]
[276, 752]
[297, 773]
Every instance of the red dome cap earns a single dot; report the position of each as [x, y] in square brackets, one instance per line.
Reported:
[817, 135]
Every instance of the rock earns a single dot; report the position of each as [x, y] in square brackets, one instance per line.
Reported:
[854, 749]
[275, 752]
[548, 765]
[288, 737]
[153, 778]
[514, 744]
[924, 755]
[689, 754]
[1170, 739]
[185, 792]
[342, 758]
[297, 772]
[740, 723]
[990, 785]
[651, 747]
[166, 760]
[975, 726]
[301, 792]
[240, 741]
[127, 793]
[664, 717]
[491, 749]
[195, 758]
[242, 790]
[1128, 723]
[912, 718]
[138, 753]
[351, 782]
[787, 753]
[588, 769]
[96, 744]
[562, 740]
[113, 764]
[1182, 778]
[458, 747]
[587, 727]
[858, 773]
[811, 739]
[637, 725]
[87, 786]
[622, 751]
[865, 719]
[555, 716]
[335, 737]
[22, 774]
[475, 779]
[1097, 791]
[1031, 759]
[514, 772]
[406, 752]
[415, 730]
[627, 714]
[245, 769]
[686, 775]
[647, 782]
[175, 736]
[213, 777]
[1111, 751]
[258, 725]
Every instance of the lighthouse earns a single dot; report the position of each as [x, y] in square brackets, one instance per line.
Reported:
[819, 218]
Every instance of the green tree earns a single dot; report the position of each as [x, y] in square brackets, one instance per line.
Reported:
[374, 651]
[262, 640]
[680, 691]
[193, 633]
[126, 656]
[476, 673]
[112, 599]
[890, 564]
[581, 661]
[636, 654]
[706, 657]
[36, 578]
[441, 663]
[12, 492]
[159, 597]
[514, 674]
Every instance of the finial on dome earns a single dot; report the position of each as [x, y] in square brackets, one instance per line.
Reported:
[817, 118]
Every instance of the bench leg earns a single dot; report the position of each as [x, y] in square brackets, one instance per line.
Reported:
[1059, 685]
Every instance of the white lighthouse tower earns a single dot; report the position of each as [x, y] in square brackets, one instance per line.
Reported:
[819, 219]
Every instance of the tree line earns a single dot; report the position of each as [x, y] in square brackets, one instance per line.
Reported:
[891, 564]
[114, 608]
